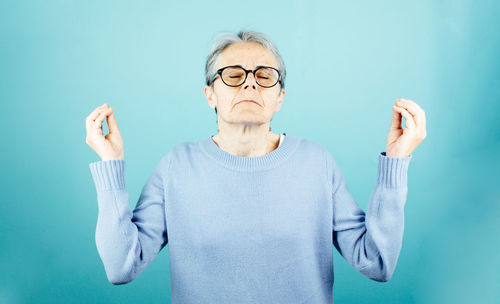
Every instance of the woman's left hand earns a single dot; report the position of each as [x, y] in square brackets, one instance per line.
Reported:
[402, 142]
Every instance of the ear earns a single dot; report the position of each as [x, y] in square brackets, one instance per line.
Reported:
[280, 100]
[211, 96]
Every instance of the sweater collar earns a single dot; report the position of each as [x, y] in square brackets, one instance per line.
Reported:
[251, 163]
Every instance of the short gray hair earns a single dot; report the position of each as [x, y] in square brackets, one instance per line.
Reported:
[226, 39]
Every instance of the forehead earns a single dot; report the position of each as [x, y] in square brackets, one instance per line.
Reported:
[247, 54]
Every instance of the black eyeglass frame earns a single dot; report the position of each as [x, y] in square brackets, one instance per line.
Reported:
[219, 72]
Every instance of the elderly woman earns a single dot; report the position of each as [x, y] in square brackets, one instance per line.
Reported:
[250, 216]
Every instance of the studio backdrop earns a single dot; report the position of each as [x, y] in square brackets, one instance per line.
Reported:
[347, 62]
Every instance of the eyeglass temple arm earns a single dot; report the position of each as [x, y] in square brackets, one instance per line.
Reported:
[215, 75]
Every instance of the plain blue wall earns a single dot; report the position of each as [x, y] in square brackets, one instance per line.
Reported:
[347, 62]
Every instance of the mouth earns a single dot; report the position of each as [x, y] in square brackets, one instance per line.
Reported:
[249, 100]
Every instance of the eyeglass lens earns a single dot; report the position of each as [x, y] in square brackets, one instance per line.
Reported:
[235, 76]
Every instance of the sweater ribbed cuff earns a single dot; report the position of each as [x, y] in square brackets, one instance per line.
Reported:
[108, 174]
[393, 171]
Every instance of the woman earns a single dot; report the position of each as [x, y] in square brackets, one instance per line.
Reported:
[250, 216]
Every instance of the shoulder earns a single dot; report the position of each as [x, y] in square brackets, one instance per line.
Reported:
[181, 151]
[310, 146]
[312, 149]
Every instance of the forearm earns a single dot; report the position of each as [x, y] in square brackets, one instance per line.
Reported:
[116, 236]
[128, 241]
[371, 242]
[384, 232]
[385, 217]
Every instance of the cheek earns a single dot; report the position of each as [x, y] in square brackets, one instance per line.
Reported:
[270, 97]
[225, 97]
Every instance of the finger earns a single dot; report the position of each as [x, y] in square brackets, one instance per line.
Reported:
[409, 122]
[413, 109]
[93, 115]
[90, 119]
[100, 108]
[99, 120]
[396, 119]
[112, 124]
[419, 109]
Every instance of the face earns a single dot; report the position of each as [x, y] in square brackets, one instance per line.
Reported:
[229, 100]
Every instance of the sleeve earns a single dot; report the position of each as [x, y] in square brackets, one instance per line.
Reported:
[371, 242]
[128, 241]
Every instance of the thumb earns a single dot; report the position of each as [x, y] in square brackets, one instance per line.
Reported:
[396, 119]
[112, 124]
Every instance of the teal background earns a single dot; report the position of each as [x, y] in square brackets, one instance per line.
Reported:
[347, 61]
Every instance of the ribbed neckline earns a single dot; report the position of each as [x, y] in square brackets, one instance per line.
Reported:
[250, 163]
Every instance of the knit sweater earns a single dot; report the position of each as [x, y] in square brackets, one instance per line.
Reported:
[249, 229]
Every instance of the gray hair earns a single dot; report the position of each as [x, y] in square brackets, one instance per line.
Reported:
[228, 39]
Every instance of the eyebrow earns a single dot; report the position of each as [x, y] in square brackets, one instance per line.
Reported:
[257, 67]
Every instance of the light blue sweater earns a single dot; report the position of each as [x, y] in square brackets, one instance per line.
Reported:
[249, 229]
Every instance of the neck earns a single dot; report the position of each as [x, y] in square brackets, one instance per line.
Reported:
[247, 140]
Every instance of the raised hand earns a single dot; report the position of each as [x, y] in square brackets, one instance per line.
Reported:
[109, 146]
[402, 142]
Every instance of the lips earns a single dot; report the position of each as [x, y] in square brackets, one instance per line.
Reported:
[250, 100]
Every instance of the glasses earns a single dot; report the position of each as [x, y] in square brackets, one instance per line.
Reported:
[236, 75]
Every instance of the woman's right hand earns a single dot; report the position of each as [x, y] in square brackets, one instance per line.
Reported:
[109, 146]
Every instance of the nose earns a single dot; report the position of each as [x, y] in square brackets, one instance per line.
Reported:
[249, 81]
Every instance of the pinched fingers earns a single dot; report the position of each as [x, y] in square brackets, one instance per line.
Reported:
[410, 123]
[414, 109]
[99, 120]
[417, 112]
[95, 119]
[93, 115]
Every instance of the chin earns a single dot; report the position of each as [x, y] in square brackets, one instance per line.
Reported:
[250, 119]
[247, 116]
